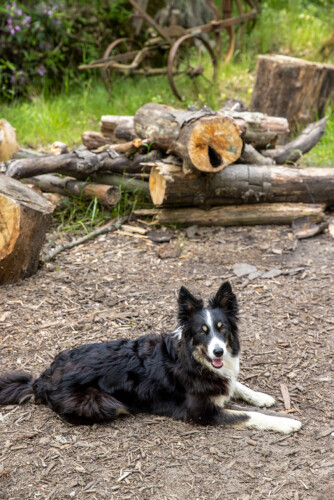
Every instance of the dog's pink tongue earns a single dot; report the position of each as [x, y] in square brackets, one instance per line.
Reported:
[217, 363]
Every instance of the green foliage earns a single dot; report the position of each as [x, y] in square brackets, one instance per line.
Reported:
[43, 43]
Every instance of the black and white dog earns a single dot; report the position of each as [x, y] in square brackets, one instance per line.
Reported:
[188, 375]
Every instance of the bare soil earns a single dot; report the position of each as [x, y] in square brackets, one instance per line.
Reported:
[118, 286]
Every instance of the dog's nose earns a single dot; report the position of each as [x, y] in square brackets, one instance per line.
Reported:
[218, 352]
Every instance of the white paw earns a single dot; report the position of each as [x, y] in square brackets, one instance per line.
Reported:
[270, 423]
[260, 399]
[288, 425]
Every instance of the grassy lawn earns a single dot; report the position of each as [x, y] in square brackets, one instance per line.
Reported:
[283, 27]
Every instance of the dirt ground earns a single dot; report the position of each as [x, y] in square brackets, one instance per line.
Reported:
[117, 286]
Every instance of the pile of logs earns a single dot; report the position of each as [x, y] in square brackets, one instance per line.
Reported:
[191, 158]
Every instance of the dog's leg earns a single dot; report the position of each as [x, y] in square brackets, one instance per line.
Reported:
[252, 397]
[263, 422]
[86, 407]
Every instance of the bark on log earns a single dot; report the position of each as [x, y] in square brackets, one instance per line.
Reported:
[203, 139]
[118, 127]
[266, 213]
[251, 156]
[242, 184]
[107, 195]
[124, 183]
[94, 140]
[293, 88]
[292, 151]
[258, 129]
[79, 164]
[24, 219]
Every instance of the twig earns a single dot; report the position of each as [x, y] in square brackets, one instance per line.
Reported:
[93, 234]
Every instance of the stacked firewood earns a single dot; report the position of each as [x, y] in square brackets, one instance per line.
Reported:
[192, 160]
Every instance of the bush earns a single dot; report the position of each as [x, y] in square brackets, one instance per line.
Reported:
[42, 45]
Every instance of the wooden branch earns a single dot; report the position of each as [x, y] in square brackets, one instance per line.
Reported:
[241, 184]
[110, 227]
[79, 164]
[124, 183]
[107, 195]
[251, 156]
[24, 218]
[292, 151]
[264, 213]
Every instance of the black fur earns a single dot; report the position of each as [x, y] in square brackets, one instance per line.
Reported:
[156, 374]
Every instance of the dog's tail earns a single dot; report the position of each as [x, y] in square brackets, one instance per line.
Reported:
[16, 388]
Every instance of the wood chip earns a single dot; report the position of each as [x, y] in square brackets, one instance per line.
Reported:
[286, 396]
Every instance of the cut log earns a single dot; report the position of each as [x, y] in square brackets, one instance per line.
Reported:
[24, 219]
[203, 139]
[293, 88]
[266, 213]
[241, 184]
[118, 127]
[107, 195]
[8, 140]
[292, 151]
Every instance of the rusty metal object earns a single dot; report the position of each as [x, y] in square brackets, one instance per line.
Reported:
[128, 57]
[190, 68]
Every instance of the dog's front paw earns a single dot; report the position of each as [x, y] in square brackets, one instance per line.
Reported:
[288, 425]
[261, 399]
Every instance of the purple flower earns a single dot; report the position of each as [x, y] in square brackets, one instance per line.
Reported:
[9, 21]
[41, 70]
[12, 31]
[17, 28]
[26, 20]
[18, 12]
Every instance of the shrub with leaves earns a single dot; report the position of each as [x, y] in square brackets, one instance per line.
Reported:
[41, 45]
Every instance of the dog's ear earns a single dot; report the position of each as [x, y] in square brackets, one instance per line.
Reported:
[225, 299]
[188, 304]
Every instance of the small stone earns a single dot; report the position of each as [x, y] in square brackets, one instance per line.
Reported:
[242, 269]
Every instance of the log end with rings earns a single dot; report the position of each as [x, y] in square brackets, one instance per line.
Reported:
[214, 143]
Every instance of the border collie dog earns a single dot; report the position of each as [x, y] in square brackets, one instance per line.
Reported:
[188, 375]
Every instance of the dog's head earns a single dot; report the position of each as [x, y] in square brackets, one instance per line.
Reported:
[210, 332]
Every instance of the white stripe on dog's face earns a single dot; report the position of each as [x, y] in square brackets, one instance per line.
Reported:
[215, 343]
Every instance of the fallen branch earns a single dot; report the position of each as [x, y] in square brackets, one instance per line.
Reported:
[108, 228]
[292, 151]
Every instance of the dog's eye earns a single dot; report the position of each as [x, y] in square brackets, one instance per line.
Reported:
[205, 329]
[220, 326]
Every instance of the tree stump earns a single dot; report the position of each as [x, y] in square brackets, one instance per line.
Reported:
[293, 88]
[24, 219]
